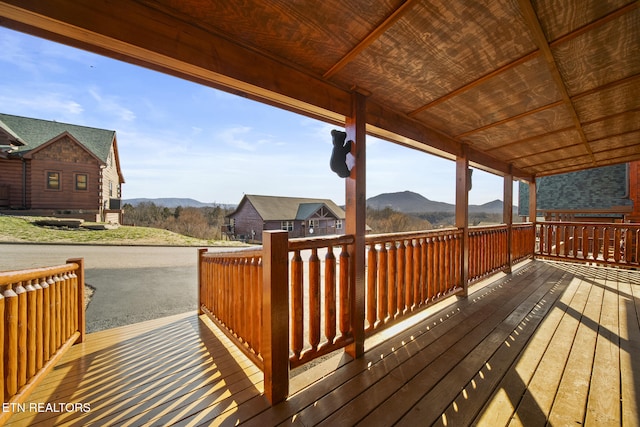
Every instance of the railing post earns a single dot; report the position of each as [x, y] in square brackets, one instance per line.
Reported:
[275, 312]
[463, 185]
[356, 207]
[507, 218]
[201, 253]
[81, 313]
[533, 211]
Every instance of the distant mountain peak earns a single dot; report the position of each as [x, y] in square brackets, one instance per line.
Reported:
[412, 202]
[173, 202]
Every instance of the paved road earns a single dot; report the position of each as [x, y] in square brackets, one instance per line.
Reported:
[132, 283]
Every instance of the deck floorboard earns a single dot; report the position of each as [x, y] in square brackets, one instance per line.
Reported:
[552, 343]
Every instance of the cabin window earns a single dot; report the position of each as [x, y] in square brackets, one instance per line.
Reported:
[110, 188]
[81, 182]
[314, 223]
[338, 224]
[53, 180]
[286, 225]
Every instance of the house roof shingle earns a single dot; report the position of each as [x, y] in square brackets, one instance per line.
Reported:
[35, 132]
[274, 208]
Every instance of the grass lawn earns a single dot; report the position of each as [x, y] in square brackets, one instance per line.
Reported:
[14, 229]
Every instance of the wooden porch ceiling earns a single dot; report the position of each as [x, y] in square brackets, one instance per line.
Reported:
[536, 87]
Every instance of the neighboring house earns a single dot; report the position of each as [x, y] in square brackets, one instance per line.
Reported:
[58, 169]
[301, 217]
[601, 194]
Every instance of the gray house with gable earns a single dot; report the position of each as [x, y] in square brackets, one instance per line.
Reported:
[301, 217]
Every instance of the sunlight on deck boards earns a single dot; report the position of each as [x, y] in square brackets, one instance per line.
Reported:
[552, 342]
[155, 372]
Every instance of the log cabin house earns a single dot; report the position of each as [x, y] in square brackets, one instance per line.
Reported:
[300, 217]
[61, 170]
[529, 324]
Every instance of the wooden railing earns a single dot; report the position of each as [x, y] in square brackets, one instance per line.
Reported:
[487, 251]
[408, 271]
[231, 295]
[320, 297]
[296, 300]
[606, 244]
[523, 238]
[43, 315]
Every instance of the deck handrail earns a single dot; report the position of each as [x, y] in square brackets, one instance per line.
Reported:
[612, 244]
[406, 272]
[43, 315]
[409, 271]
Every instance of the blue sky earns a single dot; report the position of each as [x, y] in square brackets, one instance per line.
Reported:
[181, 139]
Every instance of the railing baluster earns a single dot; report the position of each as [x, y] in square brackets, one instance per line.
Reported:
[606, 243]
[617, 244]
[392, 284]
[415, 300]
[297, 302]
[31, 315]
[314, 299]
[22, 334]
[345, 325]
[400, 255]
[424, 292]
[46, 315]
[431, 285]
[408, 288]
[330, 295]
[382, 283]
[10, 343]
[39, 309]
[372, 277]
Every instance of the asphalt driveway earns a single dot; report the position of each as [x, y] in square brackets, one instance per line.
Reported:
[131, 283]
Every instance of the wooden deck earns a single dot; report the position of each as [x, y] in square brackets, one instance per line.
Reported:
[552, 343]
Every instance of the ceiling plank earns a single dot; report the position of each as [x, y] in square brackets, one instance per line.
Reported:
[512, 118]
[595, 24]
[475, 83]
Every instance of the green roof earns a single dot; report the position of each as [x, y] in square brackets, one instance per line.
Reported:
[35, 132]
[273, 208]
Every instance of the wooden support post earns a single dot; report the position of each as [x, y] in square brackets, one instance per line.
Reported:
[82, 327]
[462, 215]
[275, 312]
[356, 211]
[507, 215]
[533, 210]
[201, 253]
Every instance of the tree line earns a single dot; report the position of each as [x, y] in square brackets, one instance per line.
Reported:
[201, 223]
[207, 222]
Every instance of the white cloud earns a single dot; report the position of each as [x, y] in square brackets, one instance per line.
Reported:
[233, 137]
[111, 105]
[41, 104]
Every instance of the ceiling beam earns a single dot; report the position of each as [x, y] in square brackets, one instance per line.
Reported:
[531, 20]
[370, 38]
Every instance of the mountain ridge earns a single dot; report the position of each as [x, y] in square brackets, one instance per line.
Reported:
[402, 201]
[174, 202]
[410, 202]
